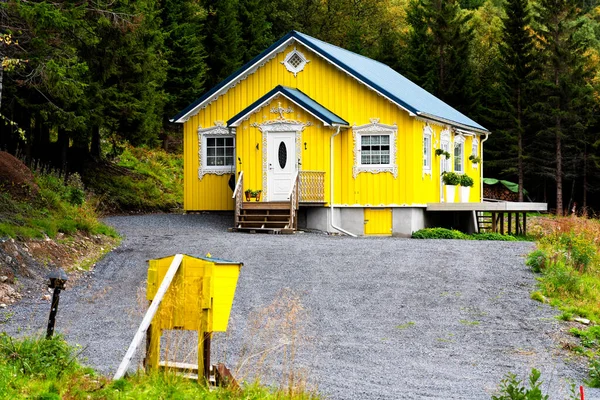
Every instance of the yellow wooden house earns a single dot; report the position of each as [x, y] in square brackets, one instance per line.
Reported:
[322, 138]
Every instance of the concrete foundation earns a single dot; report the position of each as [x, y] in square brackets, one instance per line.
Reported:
[405, 220]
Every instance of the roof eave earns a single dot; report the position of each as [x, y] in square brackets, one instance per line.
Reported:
[453, 123]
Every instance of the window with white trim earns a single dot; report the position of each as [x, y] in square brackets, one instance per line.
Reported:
[459, 144]
[295, 61]
[475, 150]
[375, 148]
[217, 151]
[427, 149]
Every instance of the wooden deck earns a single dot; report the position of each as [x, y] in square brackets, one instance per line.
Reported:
[505, 217]
[489, 206]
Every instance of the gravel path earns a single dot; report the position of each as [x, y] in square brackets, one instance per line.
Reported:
[385, 318]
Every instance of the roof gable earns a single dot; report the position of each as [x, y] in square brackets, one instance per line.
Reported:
[296, 96]
[375, 75]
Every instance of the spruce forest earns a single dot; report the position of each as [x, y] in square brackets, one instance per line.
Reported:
[79, 76]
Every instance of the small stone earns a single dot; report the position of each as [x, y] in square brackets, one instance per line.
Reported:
[3, 278]
[46, 297]
[8, 259]
[2, 305]
[584, 321]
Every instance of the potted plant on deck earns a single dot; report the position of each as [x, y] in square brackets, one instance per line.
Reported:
[466, 182]
[252, 194]
[451, 180]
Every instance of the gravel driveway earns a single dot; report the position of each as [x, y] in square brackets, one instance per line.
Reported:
[385, 318]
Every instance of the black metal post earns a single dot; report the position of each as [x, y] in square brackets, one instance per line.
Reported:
[53, 311]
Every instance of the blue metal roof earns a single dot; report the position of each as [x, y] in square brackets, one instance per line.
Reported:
[378, 76]
[295, 95]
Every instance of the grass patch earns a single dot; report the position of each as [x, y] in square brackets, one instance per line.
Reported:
[60, 207]
[443, 233]
[406, 325]
[139, 180]
[48, 369]
[568, 261]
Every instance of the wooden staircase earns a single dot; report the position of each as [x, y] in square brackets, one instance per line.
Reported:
[269, 217]
[485, 222]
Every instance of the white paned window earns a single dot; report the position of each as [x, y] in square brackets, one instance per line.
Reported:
[427, 149]
[475, 149]
[295, 61]
[375, 148]
[217, 151]
[459, 144]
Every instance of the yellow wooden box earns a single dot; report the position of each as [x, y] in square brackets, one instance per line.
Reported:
[203, 287]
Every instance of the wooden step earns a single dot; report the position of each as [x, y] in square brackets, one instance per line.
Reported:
[266, 205]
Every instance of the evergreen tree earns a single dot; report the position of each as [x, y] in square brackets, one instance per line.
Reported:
[183, 23]
[564, 98]
[516, 70]
[446, 38]
[223, 39]
[256, 29]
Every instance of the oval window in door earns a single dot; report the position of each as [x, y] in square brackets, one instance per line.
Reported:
[282, 155]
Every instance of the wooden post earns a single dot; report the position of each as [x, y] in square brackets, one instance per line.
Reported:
[502, 223]
[524, 223]
[494, 227]
[509, 222]
[517, 223]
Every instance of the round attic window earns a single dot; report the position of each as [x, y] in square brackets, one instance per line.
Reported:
[295, 61]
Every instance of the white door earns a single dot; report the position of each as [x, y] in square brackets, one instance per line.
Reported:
[444, 166]
[281, 164]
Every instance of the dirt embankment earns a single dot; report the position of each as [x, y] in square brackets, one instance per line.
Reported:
[25, 264]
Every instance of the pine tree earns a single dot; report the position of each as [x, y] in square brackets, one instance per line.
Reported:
[183, 23]
[223, 39]
[563, 94]
[256, 29]
[516, 69]
[441, 31]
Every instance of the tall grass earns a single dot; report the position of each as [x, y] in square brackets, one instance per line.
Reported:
[568, 259]
[59, 207]
[35, 368]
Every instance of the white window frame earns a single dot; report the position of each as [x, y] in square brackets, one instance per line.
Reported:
[217, 131]
[427, 146]
[459, 142]
[475, 149]
[374, 129]
[290, 67]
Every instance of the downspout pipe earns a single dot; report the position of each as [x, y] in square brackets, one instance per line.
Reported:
[331, 166]
[481, 165]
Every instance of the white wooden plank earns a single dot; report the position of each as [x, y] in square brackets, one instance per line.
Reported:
[166, 282]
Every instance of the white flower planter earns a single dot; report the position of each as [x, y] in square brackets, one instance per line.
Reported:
[450, 193]
[465, 191]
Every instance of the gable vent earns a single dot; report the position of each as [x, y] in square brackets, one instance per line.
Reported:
[295, 61]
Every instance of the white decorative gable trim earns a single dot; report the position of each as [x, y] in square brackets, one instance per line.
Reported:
[378, 129]
[295, 61]
[218, 130]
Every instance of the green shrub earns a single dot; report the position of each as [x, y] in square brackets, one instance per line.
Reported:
[493, 236]
[581, 250]
[589, 337]
[537, 260]
[594, 373]
[451, 178]
[439, 233]
[512, 388]
[538, 296]
[466, 180]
